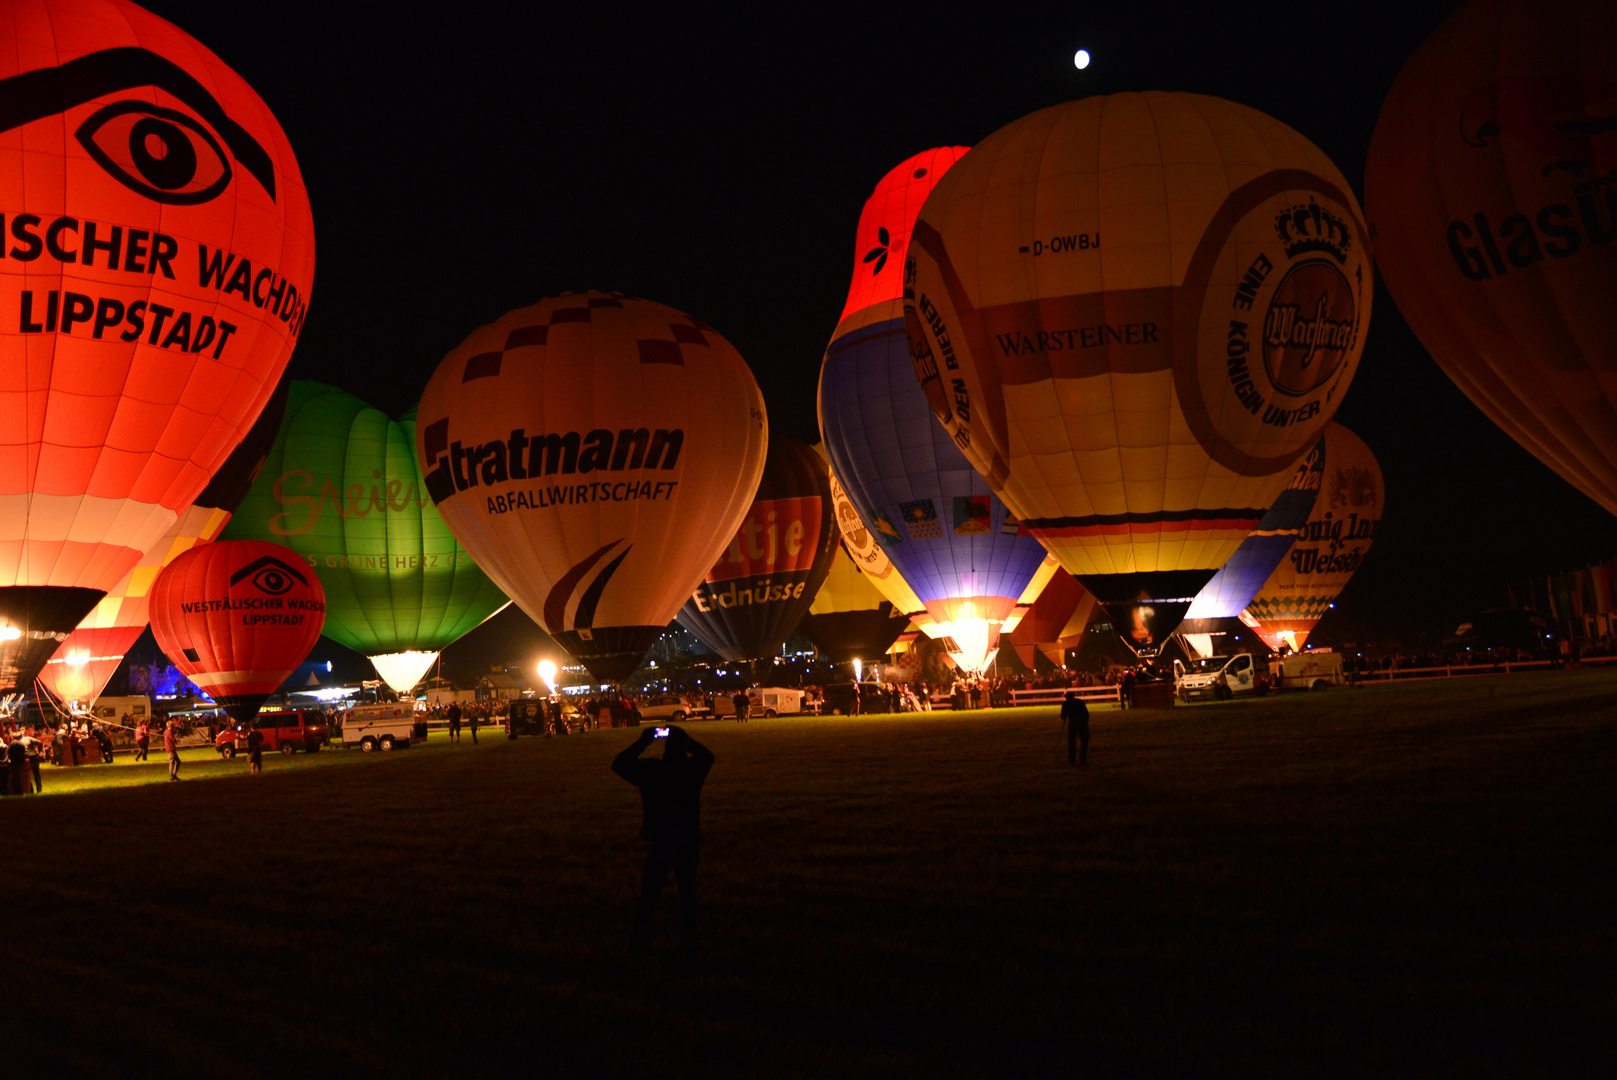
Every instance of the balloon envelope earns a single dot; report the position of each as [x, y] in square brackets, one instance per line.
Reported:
[341, 488]
[595, 453]
[766, 579]
[1134, 314]
[160, 253]
[1238, 581]
[1490, 187]
[936, 519]
[237, 617]
[1330, 548]
[84, 662]
[850, 619]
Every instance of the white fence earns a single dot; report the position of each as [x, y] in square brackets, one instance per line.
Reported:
[1054, 695]
[1460, 671]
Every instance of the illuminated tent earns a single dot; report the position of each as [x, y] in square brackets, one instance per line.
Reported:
[1330, 548]
[764, 582]
[83, 663]
[341, 488]
[159, 257]
[595, 453]
[237, 617]
[1134, 314]
[1489, 185]
[936, 519]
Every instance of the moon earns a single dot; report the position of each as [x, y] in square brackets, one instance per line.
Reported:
[1080, 59]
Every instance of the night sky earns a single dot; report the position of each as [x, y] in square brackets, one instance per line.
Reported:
[474, 161]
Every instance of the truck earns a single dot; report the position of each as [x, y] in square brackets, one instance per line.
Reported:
[1217, 677]
[1316, 669]
[382, 727]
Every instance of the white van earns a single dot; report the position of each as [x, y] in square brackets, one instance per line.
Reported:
[382, 727]
[1215, 677]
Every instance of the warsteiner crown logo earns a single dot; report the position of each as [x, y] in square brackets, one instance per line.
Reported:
[1312, 228]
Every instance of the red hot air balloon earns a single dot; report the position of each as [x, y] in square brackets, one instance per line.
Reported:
[237, 617]
[158, 256]
[92, 652]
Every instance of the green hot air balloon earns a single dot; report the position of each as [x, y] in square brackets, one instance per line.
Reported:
[341, 488]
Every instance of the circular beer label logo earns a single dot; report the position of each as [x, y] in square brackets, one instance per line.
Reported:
[1279, 287]
[861, 545]
[1309, 327]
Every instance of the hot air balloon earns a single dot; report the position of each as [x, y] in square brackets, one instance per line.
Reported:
[596, 454]
[866, 552]
[159, 254]
[766, 579]
[92, 652]
[341, 488]
[1134, 314]
[1491, 186]
[1329, 549]
[936, 519]
[849, 619]
[1054, 622]
[237, 617]
[1238, 581]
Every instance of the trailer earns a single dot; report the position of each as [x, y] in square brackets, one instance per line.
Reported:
[1316, 669]
[383, 727]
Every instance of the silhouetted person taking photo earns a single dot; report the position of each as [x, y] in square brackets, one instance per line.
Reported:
[670, 793]
[1075, 719]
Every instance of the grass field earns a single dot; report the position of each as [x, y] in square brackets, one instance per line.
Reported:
[1402, 881]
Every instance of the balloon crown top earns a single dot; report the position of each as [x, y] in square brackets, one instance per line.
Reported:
[1311, 227]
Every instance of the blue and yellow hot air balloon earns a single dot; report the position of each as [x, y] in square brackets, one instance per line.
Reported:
[950, 537]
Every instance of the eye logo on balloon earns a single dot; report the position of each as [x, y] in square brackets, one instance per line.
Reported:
[270, 575]
[156, 152]
[161, 153]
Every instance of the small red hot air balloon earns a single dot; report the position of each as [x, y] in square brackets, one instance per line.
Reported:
[237, 616]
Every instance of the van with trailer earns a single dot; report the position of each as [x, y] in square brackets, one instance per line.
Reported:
[1315, 669]
[1215, 678]
[384, 727]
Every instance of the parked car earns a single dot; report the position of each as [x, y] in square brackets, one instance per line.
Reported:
[298, 729]
[671, 707]
[839, 698]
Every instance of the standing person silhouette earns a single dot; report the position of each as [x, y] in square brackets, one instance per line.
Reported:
[742, 704]
[454, 721]
[1075, 719]
[670, 793]
[171, 747]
